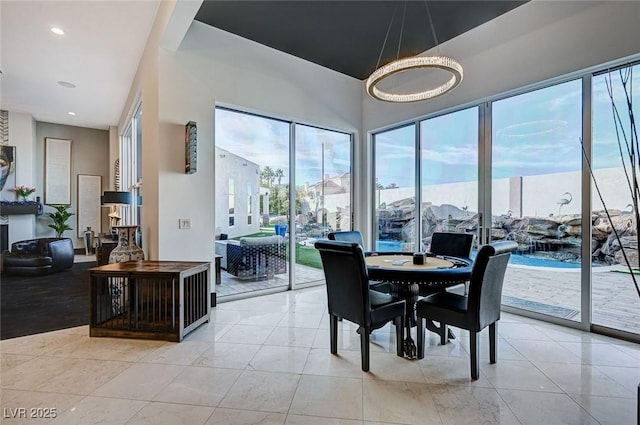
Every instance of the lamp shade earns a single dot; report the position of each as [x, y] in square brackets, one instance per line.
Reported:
[114, 198]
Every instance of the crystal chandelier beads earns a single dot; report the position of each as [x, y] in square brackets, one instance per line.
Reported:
[415, 62]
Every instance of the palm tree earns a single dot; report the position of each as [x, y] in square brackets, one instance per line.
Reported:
[267, 176]
[279, 174]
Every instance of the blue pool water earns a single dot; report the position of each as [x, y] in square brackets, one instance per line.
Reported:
[517, 259]
[389, 246]
[530, 260]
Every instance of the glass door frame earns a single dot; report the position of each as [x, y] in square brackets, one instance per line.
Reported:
[485, 178]
[585, 322]
[485, 141]
[292, 196]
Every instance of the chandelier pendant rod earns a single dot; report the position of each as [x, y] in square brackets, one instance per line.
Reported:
[404, 14]
[386, 37]
[433, 29]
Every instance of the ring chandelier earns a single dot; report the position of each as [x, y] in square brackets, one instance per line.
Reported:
[439, 62]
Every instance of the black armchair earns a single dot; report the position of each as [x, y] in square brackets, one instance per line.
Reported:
[38, 256]
[481, 308]
[349, 296]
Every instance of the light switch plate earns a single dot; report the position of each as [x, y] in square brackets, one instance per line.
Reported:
[184, 223]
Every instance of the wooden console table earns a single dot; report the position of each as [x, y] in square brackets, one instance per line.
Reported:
[149, 299]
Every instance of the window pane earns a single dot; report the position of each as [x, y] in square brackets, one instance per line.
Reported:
[449, 180]
[323, 191]
[615, 301]
[395, 180]
[251, 162]
[536, 184]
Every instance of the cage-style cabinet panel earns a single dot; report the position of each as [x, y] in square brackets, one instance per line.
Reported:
[150, 299]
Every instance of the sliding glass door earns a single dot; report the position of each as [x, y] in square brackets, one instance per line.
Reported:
[449, 174]
[615, 299]
[323, 194]
[265, 216]
[536, 197]
[252, 202]
[515, 168]
[395, 189]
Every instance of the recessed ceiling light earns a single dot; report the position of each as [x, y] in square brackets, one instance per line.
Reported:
[58, 31]
[67, 84]
[71, 113]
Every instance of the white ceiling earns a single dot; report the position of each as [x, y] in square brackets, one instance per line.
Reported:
[99, 53]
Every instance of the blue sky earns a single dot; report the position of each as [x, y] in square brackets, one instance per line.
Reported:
[266, 142]
[533, 134]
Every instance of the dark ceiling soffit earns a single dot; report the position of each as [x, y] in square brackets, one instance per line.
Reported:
[348, 36]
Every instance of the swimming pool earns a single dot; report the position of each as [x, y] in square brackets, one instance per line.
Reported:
[389, 246]
[532, 260]
[516, 259]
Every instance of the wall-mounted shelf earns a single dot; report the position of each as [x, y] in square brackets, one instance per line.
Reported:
[16, 208]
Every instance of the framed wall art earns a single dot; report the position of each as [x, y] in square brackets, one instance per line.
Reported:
[89, 190]
[190, 147]
[57, 171]
[7, 172]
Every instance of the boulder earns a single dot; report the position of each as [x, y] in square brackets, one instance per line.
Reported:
[571, 220]
[542, 226]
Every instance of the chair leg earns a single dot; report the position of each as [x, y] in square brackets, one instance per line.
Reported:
[333, 333]
[474, 340]
[399, 323]
[364, 349]
[420, 335]
[443, 333]
[493, 342]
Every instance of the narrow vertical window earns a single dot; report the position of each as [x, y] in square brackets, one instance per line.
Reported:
[232, 202]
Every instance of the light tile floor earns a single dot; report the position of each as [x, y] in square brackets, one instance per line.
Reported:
[266, 360]
[615, 301]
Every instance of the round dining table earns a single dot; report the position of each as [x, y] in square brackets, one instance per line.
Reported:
[406, 278]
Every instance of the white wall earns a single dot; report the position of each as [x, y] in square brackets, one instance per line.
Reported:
[22, 135]
[145, 88]
[214, 67]
[244, 173]
[89, 155]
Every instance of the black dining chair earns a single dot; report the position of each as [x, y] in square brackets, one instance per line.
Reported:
[356, 236]
[451, 245]
[347, 236]
[481, 308]
[349, 296]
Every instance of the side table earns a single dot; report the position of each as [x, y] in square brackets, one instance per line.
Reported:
[149, 299]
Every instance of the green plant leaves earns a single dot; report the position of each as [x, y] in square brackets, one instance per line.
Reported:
[59, 218]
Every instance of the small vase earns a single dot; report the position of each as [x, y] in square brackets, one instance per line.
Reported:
[89, 236]
[127, 248]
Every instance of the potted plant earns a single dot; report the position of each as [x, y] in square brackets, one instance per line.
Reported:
[60, 217]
